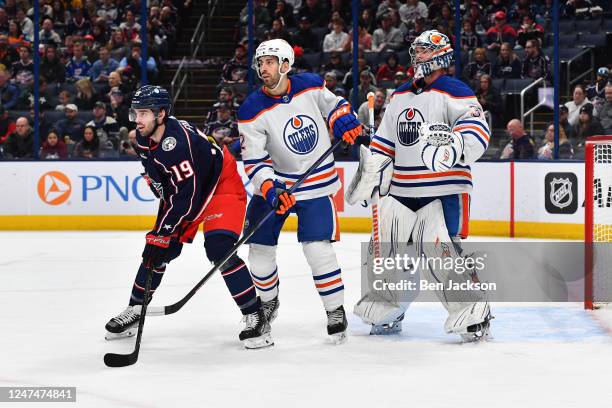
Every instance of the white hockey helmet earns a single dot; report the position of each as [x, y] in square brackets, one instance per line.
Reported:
[276, 48]
[438, 52]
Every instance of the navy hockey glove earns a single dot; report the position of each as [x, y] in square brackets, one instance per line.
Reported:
[345, 124]
[156, 250]
[277, 196]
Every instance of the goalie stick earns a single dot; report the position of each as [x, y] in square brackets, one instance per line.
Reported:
[122, 360]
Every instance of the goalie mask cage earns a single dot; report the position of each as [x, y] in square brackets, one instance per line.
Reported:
[598, 222]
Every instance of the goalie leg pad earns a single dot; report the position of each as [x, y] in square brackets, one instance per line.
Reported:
[392, 225]
[432, 241]
[264, 271]
[375, 170]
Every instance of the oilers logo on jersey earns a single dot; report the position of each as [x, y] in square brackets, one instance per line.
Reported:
[408, 124]
[301, 134]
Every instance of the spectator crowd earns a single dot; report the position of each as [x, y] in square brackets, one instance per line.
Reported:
[90, 64]
[91, 59]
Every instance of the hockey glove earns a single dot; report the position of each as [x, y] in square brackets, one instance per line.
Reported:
[156, 250]
[345, 124]
[277, 196]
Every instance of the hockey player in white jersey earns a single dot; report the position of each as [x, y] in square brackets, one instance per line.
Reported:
[420, 157]
[284, 130]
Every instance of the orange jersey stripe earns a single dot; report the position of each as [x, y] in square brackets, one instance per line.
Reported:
[383, 148]
[472, 127]
[433, 175]
[314, 178]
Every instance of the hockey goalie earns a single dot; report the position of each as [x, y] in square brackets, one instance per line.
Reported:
[416, 174]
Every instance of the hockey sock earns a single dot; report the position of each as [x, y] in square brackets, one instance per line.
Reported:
[139, 284]
[325, 272]
[235, 272]
[262, 259]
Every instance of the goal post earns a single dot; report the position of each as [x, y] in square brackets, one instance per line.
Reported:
[598, 221]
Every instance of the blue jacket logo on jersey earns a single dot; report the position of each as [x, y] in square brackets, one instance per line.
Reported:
[301, 134]
[408, 124]
[168, 144]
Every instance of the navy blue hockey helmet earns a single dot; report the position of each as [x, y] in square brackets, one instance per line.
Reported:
[151, 97]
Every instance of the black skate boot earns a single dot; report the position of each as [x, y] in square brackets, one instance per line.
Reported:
[270, 309]
[336, 325]
[125, 324]
[256, 334]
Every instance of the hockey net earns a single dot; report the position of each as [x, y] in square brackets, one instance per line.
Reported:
[598, 222]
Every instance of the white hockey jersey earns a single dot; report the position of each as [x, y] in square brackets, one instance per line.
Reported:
[281, 137]
[446, 100]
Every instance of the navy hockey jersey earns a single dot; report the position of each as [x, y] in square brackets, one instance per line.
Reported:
[184, 168]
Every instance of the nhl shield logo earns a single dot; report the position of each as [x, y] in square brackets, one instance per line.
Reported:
[561, 192]
[168, 144]
[408, 124]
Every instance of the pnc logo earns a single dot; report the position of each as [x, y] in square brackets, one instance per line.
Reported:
[54, 188]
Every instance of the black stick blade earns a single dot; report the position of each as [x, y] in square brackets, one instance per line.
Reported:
[120, 360]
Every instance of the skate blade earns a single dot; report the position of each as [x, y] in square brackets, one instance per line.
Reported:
[116, 336]
[338, 338]
[377, 330]
[478, 337]
[262, 341]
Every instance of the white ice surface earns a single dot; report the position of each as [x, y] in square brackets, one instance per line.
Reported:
[58, 289]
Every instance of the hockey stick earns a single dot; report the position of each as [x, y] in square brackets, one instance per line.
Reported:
[123, 360]
[166, 310]
[371, 130]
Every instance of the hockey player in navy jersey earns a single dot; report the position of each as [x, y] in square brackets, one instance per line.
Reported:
[431, 132]
[197, 183]
[284, 129]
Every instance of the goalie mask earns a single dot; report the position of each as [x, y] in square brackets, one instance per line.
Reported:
[431, 51]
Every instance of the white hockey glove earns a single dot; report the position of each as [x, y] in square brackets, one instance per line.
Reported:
[375, 170]
[441, 148]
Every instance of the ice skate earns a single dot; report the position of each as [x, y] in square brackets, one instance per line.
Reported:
[336, 325]
[389, 328]
[478, 332]
[125, 324]
[270, 309]
[256, 333]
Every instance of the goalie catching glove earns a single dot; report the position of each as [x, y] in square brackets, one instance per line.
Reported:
[344, 124]
[277, 196]
[441, 148]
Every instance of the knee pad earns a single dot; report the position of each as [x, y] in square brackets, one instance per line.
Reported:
[320, 256]
[262, 259]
